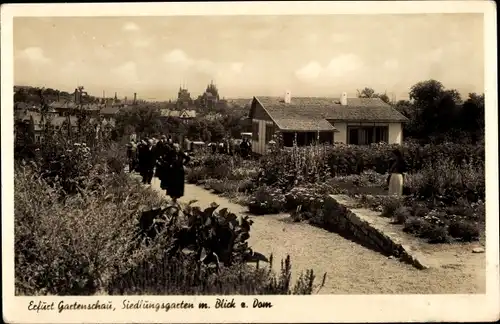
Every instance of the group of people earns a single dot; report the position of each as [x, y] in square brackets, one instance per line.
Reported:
[161, 158]
[225, 147]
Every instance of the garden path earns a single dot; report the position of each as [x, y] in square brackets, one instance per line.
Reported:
[350, 267]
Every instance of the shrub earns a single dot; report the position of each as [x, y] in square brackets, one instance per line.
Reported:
[448, 182]
[229, 187]
[266, 200]
[414, 225]
[161, 276]
[69, 247]
[436, 234]
[390, 205]
[309, 199]
[464, 230]
[401, 215]
[195, 174]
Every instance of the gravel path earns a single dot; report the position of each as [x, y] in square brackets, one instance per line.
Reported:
[350, 268]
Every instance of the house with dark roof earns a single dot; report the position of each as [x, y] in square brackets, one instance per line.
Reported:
[308, 120]
[183, 114]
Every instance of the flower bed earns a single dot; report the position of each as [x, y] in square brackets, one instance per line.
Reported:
[444, 181]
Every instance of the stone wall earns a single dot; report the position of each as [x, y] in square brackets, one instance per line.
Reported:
[337, 217]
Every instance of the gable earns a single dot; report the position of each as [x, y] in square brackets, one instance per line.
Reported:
[257, 111]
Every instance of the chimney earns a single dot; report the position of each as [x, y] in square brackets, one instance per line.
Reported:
[288, 97]
[343, 99]
[135, 97]
[76, 96]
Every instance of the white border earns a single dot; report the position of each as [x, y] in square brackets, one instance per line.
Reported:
[318, 308]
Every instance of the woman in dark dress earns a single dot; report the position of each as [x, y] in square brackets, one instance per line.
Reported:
[176, 183]
[166, 165]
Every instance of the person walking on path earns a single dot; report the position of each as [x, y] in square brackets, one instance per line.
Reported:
[141, 147]
[160, 148]
[175, 187]
[165, 165]
[148, 162]
[396, 171]
[131, 155]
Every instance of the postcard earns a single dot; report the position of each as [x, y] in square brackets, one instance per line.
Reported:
[250, 162]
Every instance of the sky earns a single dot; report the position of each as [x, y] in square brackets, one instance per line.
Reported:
[249, 56]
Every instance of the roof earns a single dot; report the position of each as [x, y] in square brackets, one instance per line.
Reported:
[178, 113]
[309, 113]
[240, 101]
[71, 104]
[55, 120]
[110, 110]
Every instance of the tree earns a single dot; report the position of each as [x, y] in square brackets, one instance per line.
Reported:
[145, 120]
[472, 115]
[366, 93]
[370, 93]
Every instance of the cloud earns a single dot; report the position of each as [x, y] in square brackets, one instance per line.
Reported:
[178, 56]
[310, 71]
[34, 55]
[237, 67]
[344, 64]
[341, 66]
[130, 26]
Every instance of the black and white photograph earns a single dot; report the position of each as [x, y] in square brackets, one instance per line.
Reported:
[184, 164]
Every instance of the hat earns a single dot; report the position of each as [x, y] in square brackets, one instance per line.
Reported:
[163, 137]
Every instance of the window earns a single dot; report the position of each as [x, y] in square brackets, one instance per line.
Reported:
[325, 137]
[255, 130]
[270, 129]
[366, 135]
[288, 139]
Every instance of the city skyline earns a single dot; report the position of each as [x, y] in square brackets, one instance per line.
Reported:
[257, 55]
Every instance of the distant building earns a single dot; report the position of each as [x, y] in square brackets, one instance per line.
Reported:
[183, 114]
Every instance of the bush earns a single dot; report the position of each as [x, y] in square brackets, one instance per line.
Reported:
[414, 225]
[70, 247]
[436, 234]
[464, 230]
[266, 200]
[449, 182]
[195, 174]
[390, 205]
[161, 276]
[401, 215]
[425, 229]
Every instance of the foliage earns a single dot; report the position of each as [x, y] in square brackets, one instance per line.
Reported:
[266, 200]
[401, 215]
[448, 182]
[464, 230]
[172, 276]
[69, 247]
[438, 114]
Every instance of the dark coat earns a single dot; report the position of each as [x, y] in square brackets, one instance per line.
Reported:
[165, 166]
[147, 158]
[176, 179]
